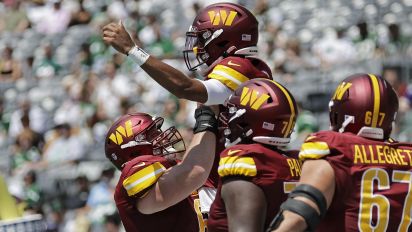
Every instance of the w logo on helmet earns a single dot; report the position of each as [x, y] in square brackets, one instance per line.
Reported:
[340, 90]
[121, 132]
[221, 17]
[251, 98]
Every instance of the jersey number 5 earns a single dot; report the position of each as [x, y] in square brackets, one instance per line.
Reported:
[369, 200]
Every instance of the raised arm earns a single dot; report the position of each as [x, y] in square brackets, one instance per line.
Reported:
[180, 181]
[167, 76]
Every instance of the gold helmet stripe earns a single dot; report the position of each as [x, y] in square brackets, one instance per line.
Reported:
[376, 99]
[292, 108]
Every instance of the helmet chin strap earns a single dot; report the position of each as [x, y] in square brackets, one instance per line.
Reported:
[348, 119]
[205, 71]
[238, 140]
[274, 141]
[248, 51]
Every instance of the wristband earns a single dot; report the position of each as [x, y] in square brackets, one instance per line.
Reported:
[138, 55]
[205, 120]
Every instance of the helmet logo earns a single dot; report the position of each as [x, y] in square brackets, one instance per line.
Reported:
[221, 17]
[114, 156]
[251, 98]
[340, 90]
[121, 132]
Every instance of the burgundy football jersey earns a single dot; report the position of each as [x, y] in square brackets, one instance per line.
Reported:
[274, 171]
[136, 179]
[373, 181]
[233, 71]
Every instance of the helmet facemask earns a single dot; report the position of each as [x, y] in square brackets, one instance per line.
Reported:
[236, 130]
[168, 143]
[149, 141]
[195, 46]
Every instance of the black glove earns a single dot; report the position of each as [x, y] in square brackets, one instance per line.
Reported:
[205, 120]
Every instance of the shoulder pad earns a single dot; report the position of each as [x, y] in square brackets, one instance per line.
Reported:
[316, 145]
[142, 174]
[238, 160]
[231, 71]
[261, 67]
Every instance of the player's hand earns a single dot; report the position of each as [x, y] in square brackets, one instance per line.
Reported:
[117, 36]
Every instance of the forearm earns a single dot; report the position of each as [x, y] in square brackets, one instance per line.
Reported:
[180, 181]
[197, 162]
[174, 80]
[292, 223]
[170, 78]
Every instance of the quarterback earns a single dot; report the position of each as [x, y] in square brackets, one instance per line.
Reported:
[155, 191]
[256, 175]
[354, 177]
[223, 37]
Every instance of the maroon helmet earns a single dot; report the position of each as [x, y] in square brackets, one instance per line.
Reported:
[364, 104]
[220, 30]
[140, 134]
[259, 110]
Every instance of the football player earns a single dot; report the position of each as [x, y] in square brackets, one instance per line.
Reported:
[155, 192]
[255, 173]
[223, 36]
[354, 176]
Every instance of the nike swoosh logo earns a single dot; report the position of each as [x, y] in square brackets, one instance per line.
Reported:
[231, 152]
[140, 165]
[233, 64]
[207, 125]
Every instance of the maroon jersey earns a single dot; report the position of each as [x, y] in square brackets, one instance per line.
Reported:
[136, 179]
[373, 181]
[233, 71]
[274, 171]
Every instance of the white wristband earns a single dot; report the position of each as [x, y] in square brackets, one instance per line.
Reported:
[138, 55]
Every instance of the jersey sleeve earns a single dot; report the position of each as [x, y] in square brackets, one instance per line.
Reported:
[316, 146]
[231, 71]
[217, 92]
[237, 162]
[141, 176]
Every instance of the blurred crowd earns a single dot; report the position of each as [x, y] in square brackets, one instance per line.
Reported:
[61, 87]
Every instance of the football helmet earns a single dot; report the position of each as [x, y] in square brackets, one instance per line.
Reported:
[140, 134]
[259, 110]
[364, 104]
[220, 30]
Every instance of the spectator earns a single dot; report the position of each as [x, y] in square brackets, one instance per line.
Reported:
[64, 147]
[47, 67]
[112, 223]
[392, 75]
[36, 116]
[27, 149]
[52, 14]
[10, 69]
[14, 19]
[398, 42]
[334, 48]
[112, 89]
[32, 192]
[100, 201]
[80, 17]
